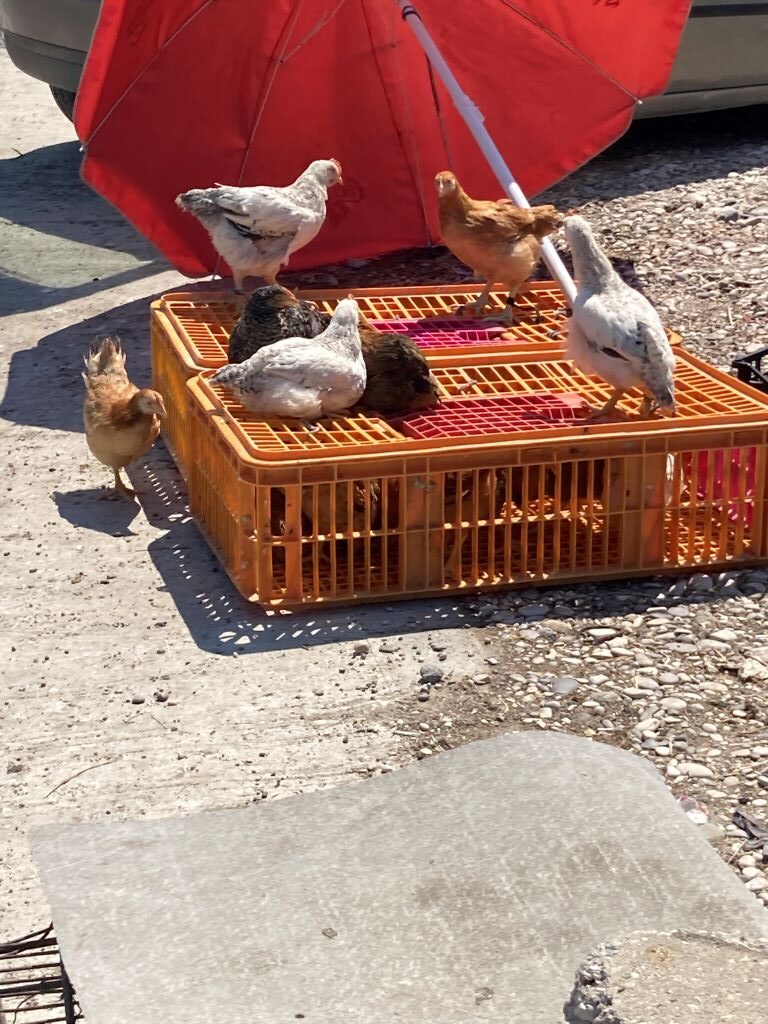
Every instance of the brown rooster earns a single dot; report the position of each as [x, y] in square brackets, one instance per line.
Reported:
[496, 239]
[122, 422]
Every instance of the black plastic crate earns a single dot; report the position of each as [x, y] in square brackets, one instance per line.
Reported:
[34, 987]
[749, 368]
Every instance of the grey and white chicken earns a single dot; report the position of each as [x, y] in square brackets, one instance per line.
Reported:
[614, 331]
[303, 378]
[257, 229]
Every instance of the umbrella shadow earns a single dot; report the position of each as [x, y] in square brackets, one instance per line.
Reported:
[45, 386]
[41, 193]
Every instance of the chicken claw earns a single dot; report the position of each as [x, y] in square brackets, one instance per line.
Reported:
[607, 409]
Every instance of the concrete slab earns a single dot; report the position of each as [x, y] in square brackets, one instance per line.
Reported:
[678, 979]
[468, 887]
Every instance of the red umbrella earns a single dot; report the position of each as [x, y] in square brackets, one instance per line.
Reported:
[185, 93]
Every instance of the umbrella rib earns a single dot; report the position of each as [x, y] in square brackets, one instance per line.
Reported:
[414, 180]
[146, 68]
[318, 28]
[568, 46]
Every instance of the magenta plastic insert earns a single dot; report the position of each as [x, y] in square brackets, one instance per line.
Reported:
[503, 414]
[438, 333]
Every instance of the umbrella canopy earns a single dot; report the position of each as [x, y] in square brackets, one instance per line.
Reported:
[186, 93]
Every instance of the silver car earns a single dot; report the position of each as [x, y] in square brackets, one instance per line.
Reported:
[722, 61]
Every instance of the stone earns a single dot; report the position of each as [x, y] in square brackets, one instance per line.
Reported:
[752, 669]
[430, 674]
[645, 683]
[728, 635]
[695, 771]
[669, 678]
[603, 632]
[675, 704]
[565, 685]
[674, 978]
[371, 860]
[757, 884]
[534, 611]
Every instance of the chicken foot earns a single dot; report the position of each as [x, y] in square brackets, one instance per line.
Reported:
[120, 490]
[608, 408]
[477, 307]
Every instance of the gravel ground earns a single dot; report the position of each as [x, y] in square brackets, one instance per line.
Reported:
[674, 669]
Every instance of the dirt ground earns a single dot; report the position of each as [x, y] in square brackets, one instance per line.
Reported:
[135, 682]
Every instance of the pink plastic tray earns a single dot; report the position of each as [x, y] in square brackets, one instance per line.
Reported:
[504, 414]
[438, 333]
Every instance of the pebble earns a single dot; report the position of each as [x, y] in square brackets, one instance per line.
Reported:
[430, 674]
[603, 633]
[645, 683]
[388, 647]
[753, 669]
[751, 872]
[545, 712]
[361, 649]
[696, 771]
[757, 884]
[533, 611]
[564, 685]
[669, 678]
[137, 700]
[673, 704]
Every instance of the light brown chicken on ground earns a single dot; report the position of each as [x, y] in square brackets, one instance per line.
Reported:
[122, 421]
[496, 239]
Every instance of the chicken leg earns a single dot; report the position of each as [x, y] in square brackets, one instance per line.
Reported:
[608, 408]
[480, 302]
[120, 490]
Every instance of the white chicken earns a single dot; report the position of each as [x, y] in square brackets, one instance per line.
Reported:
[257, 229]
[305, 378]
[614, 331]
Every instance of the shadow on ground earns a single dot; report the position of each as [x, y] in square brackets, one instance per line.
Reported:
[41, 193]
[91, 508]
[45, 386]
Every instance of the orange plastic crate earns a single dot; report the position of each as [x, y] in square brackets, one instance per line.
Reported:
[190, 332]
[357, 511]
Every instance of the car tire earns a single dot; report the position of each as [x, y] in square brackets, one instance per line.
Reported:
[65, 101]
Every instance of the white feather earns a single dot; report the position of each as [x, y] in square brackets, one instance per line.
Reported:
[614, 331]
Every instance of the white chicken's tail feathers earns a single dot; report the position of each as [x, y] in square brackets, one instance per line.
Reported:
[661, 380]
[227, 374]
[106, 356]
[199, 201]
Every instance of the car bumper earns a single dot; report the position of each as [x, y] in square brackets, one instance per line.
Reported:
[66, 27]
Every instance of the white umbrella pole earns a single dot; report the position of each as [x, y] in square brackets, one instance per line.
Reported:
[474, 121]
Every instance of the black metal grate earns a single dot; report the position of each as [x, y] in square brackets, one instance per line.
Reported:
[34, 987]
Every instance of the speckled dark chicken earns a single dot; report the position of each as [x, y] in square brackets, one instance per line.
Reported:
[398, 374]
